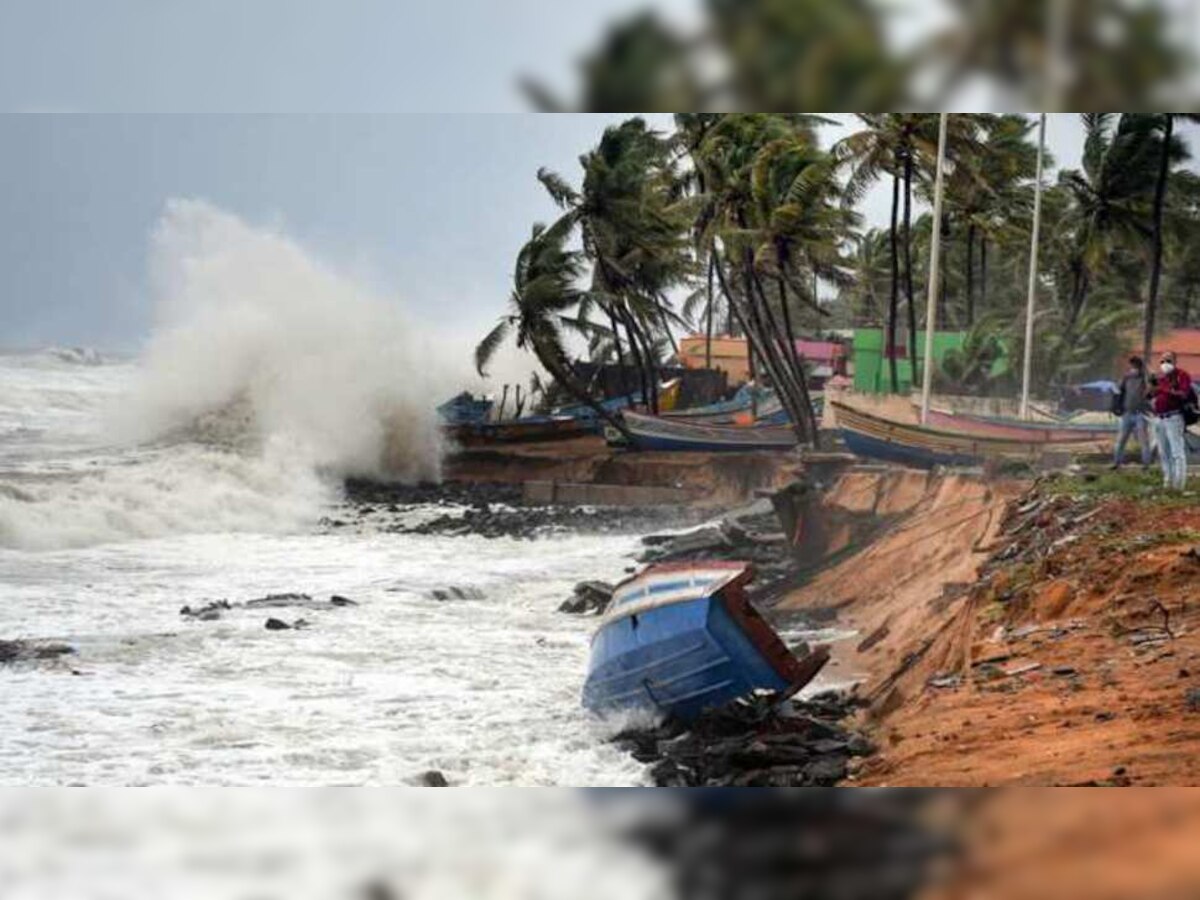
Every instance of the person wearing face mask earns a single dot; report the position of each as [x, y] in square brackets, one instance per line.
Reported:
[1172, 392]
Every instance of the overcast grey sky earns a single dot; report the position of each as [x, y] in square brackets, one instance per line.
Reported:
[427, 209]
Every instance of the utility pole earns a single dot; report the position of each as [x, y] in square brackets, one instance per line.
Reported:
[1030, 303]
[935, 252]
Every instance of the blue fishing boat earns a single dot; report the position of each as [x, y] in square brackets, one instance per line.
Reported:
[681, 638]
[465, 409]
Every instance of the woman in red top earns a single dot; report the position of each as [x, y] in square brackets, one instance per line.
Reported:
[1171, 392]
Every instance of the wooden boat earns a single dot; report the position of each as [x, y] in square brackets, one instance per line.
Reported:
[1015, 429]
[680, 638]
[465, 409]
[658, 433]
[513, 431]
[875, 437]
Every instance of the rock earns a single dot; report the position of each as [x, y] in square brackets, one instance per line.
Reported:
[1063, 671]
[23, 651]
[341, 601]
[277, 625]
[753, 743]
[273, 601]
[433, 778]
[1193, 700]
[590, 597]
[456, 593]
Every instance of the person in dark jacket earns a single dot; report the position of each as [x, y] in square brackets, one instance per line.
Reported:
[1172, 391]
[1132, 406]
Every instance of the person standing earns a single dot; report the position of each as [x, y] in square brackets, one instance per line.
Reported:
[1172, 391]
[1131, 406]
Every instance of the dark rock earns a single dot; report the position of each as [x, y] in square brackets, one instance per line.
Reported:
[590, 597]
[753, 743]
[456, 593]
[341, 601]
[1193, 700]
[275, 601]
[24, 651]
[433, 778]
[277, 625]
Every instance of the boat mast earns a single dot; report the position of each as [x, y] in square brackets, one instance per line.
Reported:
[935, 252]
[1033, 271]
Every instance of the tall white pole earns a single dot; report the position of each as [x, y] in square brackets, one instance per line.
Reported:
[1033, 271]
[935, 253]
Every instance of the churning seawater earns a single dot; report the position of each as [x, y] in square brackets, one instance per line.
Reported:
[484, 689]
[199, 472]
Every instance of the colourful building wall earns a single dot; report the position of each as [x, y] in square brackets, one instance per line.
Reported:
[872, 370]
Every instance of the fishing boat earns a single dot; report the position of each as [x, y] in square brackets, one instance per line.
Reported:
[680, 638]
[723, 411]
[464, 409]
[512, 431]
[875, 437]
[658, 433]
[1015, 429]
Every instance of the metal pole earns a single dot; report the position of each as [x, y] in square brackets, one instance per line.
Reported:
[1033, 272]
[935, 252]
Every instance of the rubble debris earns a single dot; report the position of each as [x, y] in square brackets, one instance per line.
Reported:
[754, 742]
[588, 598]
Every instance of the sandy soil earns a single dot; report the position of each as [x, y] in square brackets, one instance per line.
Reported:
[1059, 646]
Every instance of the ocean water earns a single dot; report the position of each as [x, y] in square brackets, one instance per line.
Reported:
[101, 545]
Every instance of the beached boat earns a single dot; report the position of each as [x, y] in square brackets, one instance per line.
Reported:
[875, 437]
[681, 638]
[513, 431]
[1015, 429]
[464, 409]
[658, 433]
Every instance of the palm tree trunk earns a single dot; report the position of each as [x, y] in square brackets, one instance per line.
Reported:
[798, 362]
[983, 245]
[889, 348]
[1160, 195]
[638, 362]
[616, 333]
[560, 371]
[908, 265]
[647, 351]
[708, 338]
[771, 337]
[970, 276]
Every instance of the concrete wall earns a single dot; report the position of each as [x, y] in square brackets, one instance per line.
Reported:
[548, 493]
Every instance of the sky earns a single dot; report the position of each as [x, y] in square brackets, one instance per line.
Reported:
[426, 210]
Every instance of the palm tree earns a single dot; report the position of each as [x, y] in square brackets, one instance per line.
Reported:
[756, 166]
[1107, 198]
[545, 292]
[871, 153]
[634, 229]
[1171, 151]
[1117, 54]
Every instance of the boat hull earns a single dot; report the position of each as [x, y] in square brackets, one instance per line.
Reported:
[519, 431]
[1032, 432]
[680, 647]
[875, 437]
[652, 433]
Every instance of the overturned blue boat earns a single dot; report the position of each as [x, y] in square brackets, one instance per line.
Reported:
[682, 638]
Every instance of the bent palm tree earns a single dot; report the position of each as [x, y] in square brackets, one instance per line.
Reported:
[545, 292]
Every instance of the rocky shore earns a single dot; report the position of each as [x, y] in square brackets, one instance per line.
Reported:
[756, 742]
[489, 511]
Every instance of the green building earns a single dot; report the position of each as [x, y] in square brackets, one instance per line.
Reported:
[872, 371]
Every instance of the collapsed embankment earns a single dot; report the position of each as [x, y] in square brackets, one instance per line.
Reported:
[1012, 634]
[705, 479]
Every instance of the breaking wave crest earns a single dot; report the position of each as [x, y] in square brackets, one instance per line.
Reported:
[256, 341]
[268, 378]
